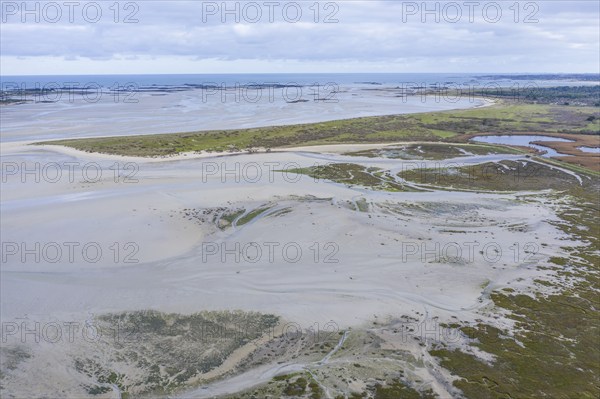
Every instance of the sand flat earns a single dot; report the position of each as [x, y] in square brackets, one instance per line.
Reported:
[377, 260]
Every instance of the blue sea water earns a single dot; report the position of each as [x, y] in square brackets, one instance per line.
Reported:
[303, 79]
[231, 79]
[114, 105]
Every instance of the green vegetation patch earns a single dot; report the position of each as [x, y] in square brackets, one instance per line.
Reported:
[248, 217]
[563, 95]
[494, 176]
[433, 151]
[502, 118]
[353, 174]
[154, 352]
[397, 390]
[229, 216]
[554, 352]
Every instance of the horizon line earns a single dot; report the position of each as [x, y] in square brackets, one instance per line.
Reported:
[312, 73]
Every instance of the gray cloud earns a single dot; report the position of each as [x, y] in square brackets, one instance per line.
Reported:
[387, 34]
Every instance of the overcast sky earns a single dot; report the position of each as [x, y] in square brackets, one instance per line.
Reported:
[271, 36]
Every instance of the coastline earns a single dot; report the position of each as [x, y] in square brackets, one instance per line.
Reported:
[175, 207]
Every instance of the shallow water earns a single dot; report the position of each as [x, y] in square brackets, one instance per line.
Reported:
[524, 140]
[198, 110]
[595, 150]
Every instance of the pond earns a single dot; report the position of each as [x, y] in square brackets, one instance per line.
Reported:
[595, 150]
[524, 140]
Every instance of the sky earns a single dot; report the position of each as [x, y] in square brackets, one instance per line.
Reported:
[178, 37]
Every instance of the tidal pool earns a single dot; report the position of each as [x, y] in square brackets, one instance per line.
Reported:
[524, 140]
[595, 150]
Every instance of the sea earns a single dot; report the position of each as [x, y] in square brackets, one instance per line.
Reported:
[305, 79]
[56, 107]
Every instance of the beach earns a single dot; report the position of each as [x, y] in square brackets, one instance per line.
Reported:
[281, 240]
[364, 255]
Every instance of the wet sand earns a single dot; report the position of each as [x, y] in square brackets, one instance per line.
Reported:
[195, 111]
[361, 270]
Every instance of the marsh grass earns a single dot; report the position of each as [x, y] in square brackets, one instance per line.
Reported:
[554, 352]
[495, 176]
[159, 353]
[353, 175]
[503, 117]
